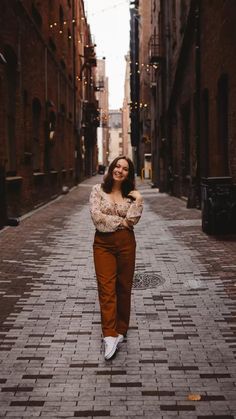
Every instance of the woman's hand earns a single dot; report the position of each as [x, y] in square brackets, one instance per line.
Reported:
[136, 195]
[126, 225]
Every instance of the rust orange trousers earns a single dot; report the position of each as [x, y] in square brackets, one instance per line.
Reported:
[114, 261]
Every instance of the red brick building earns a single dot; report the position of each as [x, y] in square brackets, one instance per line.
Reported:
[218, 87]
[193, 82]
[48, 109]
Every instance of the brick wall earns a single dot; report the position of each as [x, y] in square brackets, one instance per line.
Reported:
[180, 82]
[218, 39]
[39, 79]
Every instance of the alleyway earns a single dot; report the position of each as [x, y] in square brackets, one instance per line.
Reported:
[179, 356]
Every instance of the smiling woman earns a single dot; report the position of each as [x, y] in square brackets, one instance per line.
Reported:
[109, 22]
[115, 206]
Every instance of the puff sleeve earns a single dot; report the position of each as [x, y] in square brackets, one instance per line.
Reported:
[134, 212]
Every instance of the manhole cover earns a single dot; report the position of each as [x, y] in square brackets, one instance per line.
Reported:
[147, 280]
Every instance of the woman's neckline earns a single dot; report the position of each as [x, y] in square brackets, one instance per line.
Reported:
[111, 201]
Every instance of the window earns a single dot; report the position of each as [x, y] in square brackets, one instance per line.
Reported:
[11, 83]
[61, 17]
[36, 113]
[173, 24]
[186, 139]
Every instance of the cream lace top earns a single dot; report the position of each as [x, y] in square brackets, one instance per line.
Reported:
[107, 216]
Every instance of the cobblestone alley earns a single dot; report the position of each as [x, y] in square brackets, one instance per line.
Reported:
[178, 359]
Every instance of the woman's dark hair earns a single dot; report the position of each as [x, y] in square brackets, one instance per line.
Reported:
[128, 184]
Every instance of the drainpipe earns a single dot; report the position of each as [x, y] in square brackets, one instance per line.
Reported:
[3, 197]
[74, 63]
[75, 127]
[46, 73]
[198, 100]
[194, 197]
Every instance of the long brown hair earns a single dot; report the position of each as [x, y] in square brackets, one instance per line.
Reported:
[127, 185]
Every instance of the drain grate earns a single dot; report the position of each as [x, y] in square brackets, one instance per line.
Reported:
[146, 280]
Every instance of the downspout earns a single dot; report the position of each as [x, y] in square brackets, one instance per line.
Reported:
[194, 197]
[76, 128]
[74, 64]
[46, 73]
[3, 194]
[197, 102]
[166, 99]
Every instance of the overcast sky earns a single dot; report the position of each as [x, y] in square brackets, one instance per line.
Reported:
[109, 23]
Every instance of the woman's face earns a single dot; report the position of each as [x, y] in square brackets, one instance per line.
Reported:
[120, 171]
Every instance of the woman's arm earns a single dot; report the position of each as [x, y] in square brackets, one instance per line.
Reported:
[136, 208]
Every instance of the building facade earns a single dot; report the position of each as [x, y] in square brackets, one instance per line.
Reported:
[134, 82]
[102, 97]
[115, 135]
[144, 77]
[48, 109]
[126, 129]
[192, 83]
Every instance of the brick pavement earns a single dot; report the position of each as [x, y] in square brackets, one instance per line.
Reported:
[181, 343]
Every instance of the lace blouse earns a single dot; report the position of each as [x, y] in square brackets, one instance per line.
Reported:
[108, 216]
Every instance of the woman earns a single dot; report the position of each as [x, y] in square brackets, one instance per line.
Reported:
[115, 207]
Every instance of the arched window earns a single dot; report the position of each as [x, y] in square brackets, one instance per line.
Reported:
[10, 100]
[61, 18]
[52, 125]
[36, 114]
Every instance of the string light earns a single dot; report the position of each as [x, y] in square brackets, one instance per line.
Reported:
[108, 8]
[73, 21]
[83, 18]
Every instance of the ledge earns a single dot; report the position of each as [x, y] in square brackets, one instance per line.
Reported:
[38, 174]
[13, 179]
[53, 172]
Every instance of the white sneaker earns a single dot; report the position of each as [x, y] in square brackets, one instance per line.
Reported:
[120, 339]
[110, 346]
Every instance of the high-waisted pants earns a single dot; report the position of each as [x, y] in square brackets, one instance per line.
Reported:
[114, 260]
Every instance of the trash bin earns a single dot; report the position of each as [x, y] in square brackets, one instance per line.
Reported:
[218, 205]
[101, 169]
[233, 209]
